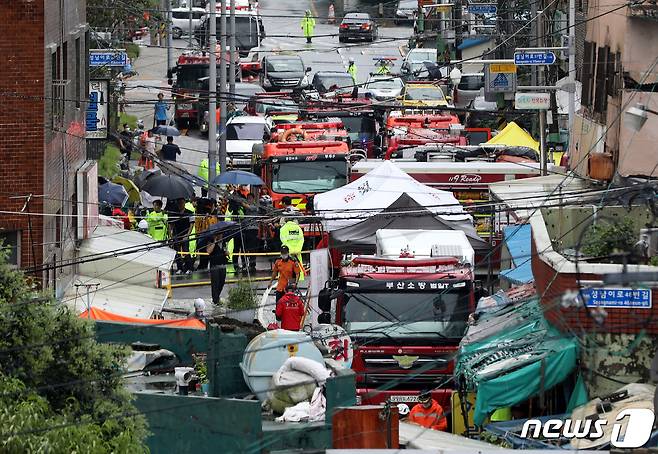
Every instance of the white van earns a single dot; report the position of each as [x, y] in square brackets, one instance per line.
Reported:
[180, 21]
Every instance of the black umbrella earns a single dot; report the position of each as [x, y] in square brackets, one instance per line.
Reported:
[112, 194]
[227, 228]
[169, 186]
[144, 175]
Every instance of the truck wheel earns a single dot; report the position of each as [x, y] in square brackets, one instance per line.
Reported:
[341, 39]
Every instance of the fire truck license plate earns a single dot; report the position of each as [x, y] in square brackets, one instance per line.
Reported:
[403, 399]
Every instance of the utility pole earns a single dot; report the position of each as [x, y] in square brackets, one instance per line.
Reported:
[189, 24]
[540, 80]
[231, 67]
[170, 38]
[572, 63]
[212, 98]
[222, 89]
[459, 29]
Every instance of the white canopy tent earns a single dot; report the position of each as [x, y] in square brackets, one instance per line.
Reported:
[376, 191]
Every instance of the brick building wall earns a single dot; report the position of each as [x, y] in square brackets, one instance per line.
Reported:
[42, 91]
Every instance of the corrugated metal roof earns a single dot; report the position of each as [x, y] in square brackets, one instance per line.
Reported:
[116, 297]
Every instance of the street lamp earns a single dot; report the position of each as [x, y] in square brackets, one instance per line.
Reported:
[637, 115]
[455, 76]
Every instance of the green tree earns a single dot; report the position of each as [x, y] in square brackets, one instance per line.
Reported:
[57, 378]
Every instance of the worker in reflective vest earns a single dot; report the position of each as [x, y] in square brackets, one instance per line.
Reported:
[203, 173]
[292, 235]
[157, 221]
[428, 413]
[308, 25]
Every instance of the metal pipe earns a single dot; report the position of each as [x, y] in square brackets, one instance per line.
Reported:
[170, 38]
[189, 24]
[572, 62]
[212, 96]
[222, 89]
[231, 67]
[534, 49]
[542, 142]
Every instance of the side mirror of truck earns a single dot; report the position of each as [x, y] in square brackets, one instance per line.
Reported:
[324, 300]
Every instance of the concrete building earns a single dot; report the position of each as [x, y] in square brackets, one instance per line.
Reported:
[619, 70]
[43, 88]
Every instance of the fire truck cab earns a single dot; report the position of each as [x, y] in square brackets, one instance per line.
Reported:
[406, 310]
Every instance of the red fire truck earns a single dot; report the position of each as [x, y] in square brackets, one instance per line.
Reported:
[310, 131]
[190, 89]
[301, 169]
[406, 310]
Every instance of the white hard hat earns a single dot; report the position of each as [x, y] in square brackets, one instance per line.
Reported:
[351, 60]
[199, 304]
[143, 224]
[403, 409]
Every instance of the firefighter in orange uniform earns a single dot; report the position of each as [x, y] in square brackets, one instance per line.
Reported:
[428, 413]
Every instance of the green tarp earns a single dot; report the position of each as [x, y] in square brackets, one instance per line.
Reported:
[512, 354]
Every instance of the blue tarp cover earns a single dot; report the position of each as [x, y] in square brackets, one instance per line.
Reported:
[517, 238]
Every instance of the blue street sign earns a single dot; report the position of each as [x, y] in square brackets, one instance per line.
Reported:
[111, 57]
[482, 9]
[538, 57]
[618, 298]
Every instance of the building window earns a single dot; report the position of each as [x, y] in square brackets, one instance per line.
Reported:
[77, 76]
[57, 88]
[10, 244]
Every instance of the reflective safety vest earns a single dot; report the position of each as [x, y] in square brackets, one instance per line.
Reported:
[292, 235]
[351, 70]
[203, 169]
[308, 24]
[432, 418]
[192, 243]
[157, 225]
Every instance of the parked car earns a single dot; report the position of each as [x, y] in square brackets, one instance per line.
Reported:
[468, 89]
[357, 26]
[413, 67]
[242, 133]
[283, 72]
[180, 21]
[419, 94]
[383, 87]
[338, 82]
[406, 11]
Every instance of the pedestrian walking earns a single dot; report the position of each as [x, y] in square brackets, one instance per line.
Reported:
[218, 261]
[157, 221]
[290, 310]
[160, 111]
[181, 228]
[308, 25]
[428, 413]
[351, 69]
[286, 269]
[170, 150]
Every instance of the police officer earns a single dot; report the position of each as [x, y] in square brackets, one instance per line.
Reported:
[351, 69]
[157, 222]
[308, 25]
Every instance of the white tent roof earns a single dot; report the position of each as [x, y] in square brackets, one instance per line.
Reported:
[376, 191]
[115, 297]
[137, 268]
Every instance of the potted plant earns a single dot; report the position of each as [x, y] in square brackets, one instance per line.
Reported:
[242, 302]
[201, 369]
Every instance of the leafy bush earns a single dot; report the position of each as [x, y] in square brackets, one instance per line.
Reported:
[605, 239]
[60, 389]
[108, 164]
[242, 297]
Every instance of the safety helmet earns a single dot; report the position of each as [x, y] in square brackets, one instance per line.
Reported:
[403, 409]
[351, 60]
[143, 225]
[424, 397]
